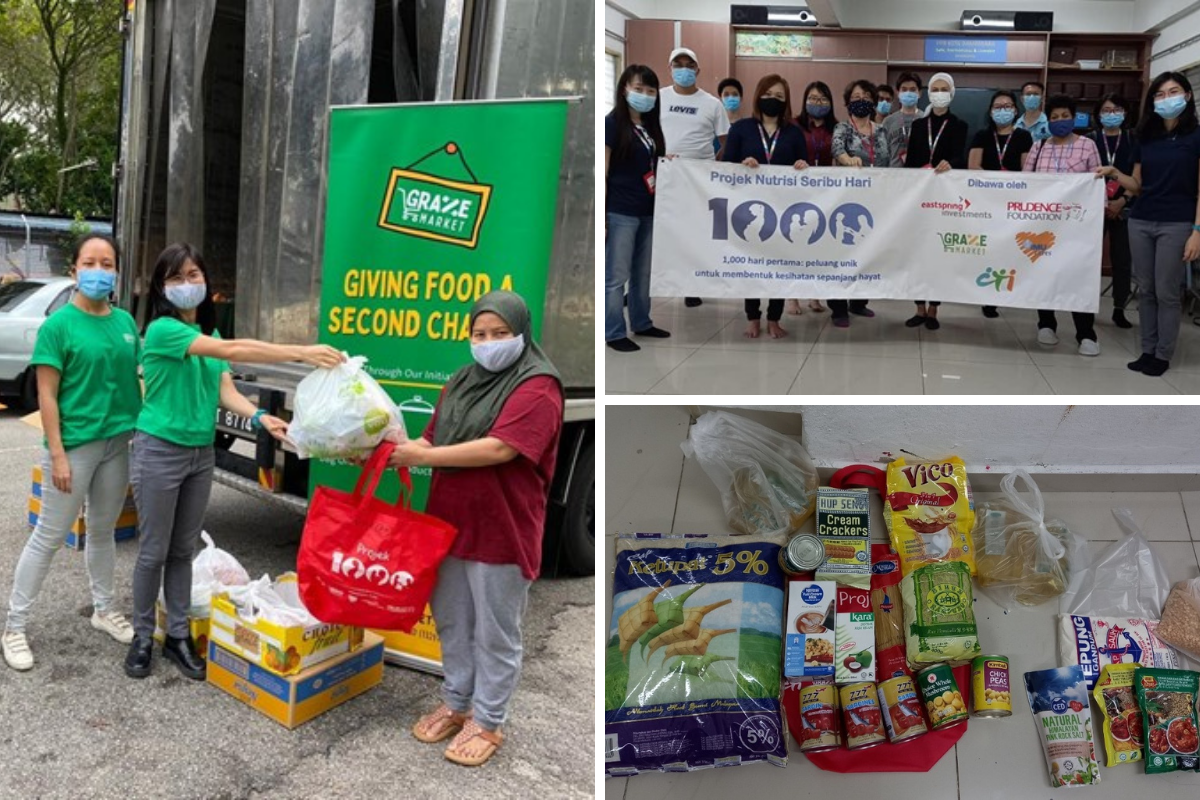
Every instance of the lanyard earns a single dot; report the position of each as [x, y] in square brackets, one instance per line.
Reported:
[646, 140]
[933, 143]
[1058, 155]
[1007, 142]
[1113, 152]
[768, 149]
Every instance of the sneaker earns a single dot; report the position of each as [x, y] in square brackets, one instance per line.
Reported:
[1144, 360]
[692, 302]
[1119, 319]
[16, 651]
[1156, 367]
[1047, 337]
[1089, 347]
[624, 345]
[653, 333]
[114, 625]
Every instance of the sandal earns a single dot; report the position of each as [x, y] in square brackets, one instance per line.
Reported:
[438, 725]
[470, 732]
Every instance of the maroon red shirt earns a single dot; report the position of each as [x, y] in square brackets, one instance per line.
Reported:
[500, 511]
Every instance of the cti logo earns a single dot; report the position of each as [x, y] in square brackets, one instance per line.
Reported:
[432, 207]
[1002, 280]
[757, 221]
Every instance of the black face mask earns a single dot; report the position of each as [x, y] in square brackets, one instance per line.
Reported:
[770, 106]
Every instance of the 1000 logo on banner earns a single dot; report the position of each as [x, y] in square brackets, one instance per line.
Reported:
[755, 220]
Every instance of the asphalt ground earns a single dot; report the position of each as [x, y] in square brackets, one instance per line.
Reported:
[75, 726]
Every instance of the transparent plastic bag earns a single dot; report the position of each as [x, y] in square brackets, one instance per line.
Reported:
[1126, 580]
[342, 413]
[276, 601]
[1021, 556]
[767, 481]
[213, 570]
[1180, 625]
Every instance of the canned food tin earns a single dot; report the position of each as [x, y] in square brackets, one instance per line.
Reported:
[943, 700]
[901, 709]
[990, 695]
[804, 553]
[861, 718]
[820, 727]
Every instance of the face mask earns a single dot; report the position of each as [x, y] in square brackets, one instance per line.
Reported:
[1062, 127]
[187, 296]
[683, 77]
[1003, 116]
[1170, 107]
[96, 284]
[770, 106]
[884, 107]
[816, 111]
[1032, 102]
[861, 108]
[732, 103]
[909, 99]
[641, 103]
[940, 99]
[499, 355]
[1113, 120]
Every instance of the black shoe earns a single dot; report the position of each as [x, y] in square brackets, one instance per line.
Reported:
[624, 345]
[692, 302]
[932, 323]
[915, 321]
[137, 660]
[1156, 367]
[653, 333]
[1119, 319]
[1144, 360]
[183, 653]
[990, 312]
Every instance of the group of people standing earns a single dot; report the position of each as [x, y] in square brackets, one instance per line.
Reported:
[1152, 175]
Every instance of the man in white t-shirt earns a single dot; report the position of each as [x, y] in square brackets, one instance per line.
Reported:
[691, 118]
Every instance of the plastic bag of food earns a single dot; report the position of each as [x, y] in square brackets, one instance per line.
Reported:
[929, 512]
[1167, 698]
[1180, 625]
[939, 614]
[1126, 580]
[1063, 718]
[277, 601]
[213, 570]
[694, 651]
[1022, 556]
[768, 483]
[1122, 719]
[342, 413]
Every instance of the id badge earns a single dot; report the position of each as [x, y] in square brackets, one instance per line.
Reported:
[1110, 188]
[649, 179]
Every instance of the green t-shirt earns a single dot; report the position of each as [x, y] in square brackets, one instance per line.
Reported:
[97, 358]
[182, 391]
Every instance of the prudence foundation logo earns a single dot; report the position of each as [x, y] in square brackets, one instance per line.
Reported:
[429, 206]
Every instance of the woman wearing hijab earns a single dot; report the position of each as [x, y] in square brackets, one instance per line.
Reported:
[492, 444]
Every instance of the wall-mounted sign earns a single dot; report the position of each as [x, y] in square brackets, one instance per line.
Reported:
[966, 50]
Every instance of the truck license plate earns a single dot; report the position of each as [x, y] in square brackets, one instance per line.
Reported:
[228, 419]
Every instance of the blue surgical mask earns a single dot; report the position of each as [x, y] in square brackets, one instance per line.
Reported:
[641, 103]
[95, 284]
[1032, 102]
[884, 107]
[1170, 107]
[683, 76]
[1062, 127]
[909, 99]
[187, 296]
[1003, 116]
[817, 111]
[731, 102]
[1113, 120]
[498, 355]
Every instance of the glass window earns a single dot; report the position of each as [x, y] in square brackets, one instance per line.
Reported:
[16, 293]
[59, 301]
[612, 71]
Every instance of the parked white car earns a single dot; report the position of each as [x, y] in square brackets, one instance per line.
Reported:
[24, 306]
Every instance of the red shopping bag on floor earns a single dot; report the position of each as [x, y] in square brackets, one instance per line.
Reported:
[366, 562]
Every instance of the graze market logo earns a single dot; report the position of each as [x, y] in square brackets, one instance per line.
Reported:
[1048, 212]
[757, 221]
[959, 210]
[1002, 280]
[969, 244]
[1035, 245]
[428, 206]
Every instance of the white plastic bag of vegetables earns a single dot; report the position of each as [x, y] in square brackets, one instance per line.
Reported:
[342, 413]
[768, 483]
[693, 654]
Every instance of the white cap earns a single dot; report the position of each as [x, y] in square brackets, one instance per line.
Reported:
[683, 51]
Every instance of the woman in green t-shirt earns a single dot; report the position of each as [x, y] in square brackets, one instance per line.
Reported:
[86, 357]
[184, 364]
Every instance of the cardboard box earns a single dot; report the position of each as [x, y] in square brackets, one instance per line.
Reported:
[77, 536]
[809, 646]
[197, 627]
[855, 636]
[294, 700]
[283, 650]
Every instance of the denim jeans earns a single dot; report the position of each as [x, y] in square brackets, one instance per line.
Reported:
[627, 261]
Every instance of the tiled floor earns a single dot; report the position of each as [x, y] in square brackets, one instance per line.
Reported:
[651, 487]
[707, 354]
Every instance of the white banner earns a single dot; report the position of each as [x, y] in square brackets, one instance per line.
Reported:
[1012, 239]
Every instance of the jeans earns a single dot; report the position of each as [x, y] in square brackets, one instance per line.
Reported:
[1118, 250]
[99, 473]
[627, 260]
[1085, 323]
[774, 309]
[478, 609]
[1157, 250]
[171, 486]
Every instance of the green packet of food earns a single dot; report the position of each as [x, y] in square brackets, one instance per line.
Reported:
[1167, 698]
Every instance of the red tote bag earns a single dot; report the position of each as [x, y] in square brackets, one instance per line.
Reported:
[366, 562]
